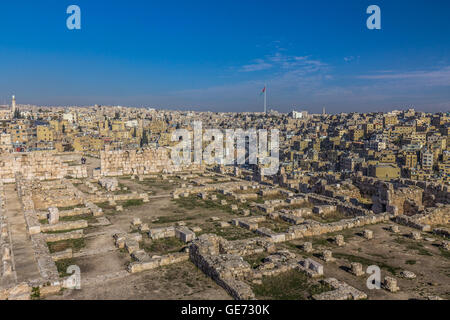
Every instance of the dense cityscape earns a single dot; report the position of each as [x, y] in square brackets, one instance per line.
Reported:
[400, 144]
[101, 201]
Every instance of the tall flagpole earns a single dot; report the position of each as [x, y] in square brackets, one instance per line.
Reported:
[265, 98]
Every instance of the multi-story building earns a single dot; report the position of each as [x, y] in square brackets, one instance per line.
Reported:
[426, 159]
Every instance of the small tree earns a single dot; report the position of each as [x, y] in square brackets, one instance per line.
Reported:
[17, 114]
[144, 139]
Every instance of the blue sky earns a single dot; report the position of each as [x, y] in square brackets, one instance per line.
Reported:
[217, 55]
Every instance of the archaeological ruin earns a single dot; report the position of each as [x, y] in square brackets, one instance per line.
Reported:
[133, 217]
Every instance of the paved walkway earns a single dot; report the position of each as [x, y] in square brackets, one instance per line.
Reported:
[25, 263]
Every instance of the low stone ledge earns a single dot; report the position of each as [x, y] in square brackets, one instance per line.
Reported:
[154, 263]
[77, 234]
[161, 233]
[342, 291]
[66, 254]
[62, 226]
[21, 291]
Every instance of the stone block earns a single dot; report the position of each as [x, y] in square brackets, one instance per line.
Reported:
[184, 234]
[307, 247]
[394, 229]
[357, 269]
[53, 215]
[407, 274]
[327, 256]
[415, 235]
[390, 284]
[339, 240]
[368, 234]
[136, 222]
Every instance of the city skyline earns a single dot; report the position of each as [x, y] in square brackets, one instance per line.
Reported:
[217, 57]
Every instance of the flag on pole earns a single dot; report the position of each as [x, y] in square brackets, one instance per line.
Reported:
[263, 90]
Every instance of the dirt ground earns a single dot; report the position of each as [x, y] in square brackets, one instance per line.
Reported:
[392, 252]
[181, 281]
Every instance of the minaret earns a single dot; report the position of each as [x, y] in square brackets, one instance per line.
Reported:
[265, 99]
[13, 105]
[323, 111]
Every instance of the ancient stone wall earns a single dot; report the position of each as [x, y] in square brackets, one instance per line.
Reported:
[139, 162]
[403, 196]
[346, 208]
[433, 192]
[37, 165]
[314, 228]
[431, 216]
[396, 198]
[228, 270]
